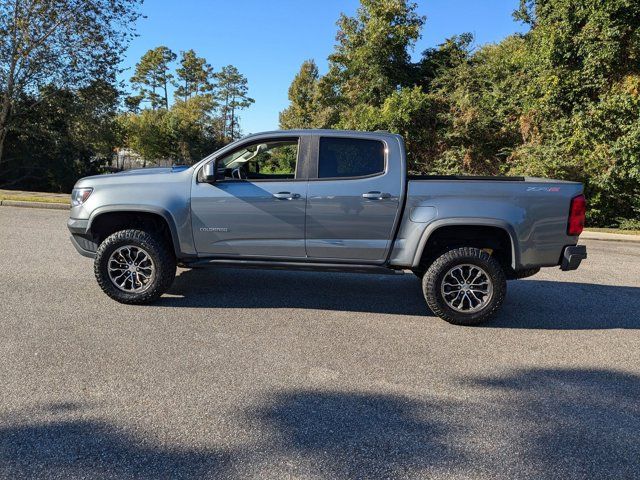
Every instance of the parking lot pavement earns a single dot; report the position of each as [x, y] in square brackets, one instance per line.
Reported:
[275, 374]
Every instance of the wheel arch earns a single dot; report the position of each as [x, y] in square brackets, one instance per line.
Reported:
[101, 217]
[442, 225]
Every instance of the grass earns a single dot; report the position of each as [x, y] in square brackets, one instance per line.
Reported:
[613, 230]
[33, 198]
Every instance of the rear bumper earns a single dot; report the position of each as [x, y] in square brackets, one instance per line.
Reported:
[572, 256]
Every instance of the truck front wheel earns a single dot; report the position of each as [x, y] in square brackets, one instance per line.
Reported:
[465, 286]
[134, 266]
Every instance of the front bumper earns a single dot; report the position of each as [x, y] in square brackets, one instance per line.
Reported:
[85, 247]
[80, 238]
[77, 226]
[572, 256]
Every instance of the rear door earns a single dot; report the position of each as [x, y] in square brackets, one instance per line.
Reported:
[353, 199]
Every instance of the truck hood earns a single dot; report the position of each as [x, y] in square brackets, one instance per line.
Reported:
[127, 174]
[145, 171]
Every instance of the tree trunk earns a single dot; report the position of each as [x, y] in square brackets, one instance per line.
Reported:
[224, 116]
[233, 121]
[2, 137]
[5, 111]
[4, 117]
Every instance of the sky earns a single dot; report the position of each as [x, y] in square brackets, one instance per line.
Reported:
[269, 39]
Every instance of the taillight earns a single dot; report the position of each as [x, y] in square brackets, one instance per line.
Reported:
[576, 215]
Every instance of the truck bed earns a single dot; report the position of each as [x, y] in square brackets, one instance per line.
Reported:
[532, 210]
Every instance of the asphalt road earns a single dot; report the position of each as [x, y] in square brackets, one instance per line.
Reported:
[273, 374]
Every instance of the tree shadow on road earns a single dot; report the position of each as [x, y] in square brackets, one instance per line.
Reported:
[68, 448]
[525, 423]
[532, 423]
[536, 304]
[571, 423]
[359, 435]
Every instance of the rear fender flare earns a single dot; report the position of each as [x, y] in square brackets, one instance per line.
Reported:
[471, 222]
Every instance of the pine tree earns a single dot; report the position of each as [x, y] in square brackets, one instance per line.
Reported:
[232, 91]
[152, 75]
[194, 76]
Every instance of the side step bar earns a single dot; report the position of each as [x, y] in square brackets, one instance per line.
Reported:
[308, 266]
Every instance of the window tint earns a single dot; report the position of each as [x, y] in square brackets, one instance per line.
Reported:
[263, 161]
[350, 157]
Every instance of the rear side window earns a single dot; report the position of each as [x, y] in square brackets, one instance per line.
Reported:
[350, 157]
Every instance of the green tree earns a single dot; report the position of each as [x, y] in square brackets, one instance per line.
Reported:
[193, 76]
[477, 103]
[370, 62]
[561, 100]
[152, 74]
[63, 43]
[232, 91]
[184, 133]
[59, 136]
[148, 134]
[192, 129]
[133, 102]
[581, 101]
[303, 97]
[371, 58]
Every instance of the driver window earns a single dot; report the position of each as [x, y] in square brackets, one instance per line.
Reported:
[270, 160]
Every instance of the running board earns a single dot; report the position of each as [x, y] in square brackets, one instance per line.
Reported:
[308, 266]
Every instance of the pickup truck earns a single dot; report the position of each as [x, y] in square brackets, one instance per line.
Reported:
[327, 200]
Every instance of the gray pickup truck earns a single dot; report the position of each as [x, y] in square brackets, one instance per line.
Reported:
[327, 200]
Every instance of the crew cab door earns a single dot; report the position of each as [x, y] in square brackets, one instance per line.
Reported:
[353, 199]
[258, 209]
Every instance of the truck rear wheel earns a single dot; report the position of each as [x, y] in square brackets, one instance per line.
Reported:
[465, 286]
[134, 266]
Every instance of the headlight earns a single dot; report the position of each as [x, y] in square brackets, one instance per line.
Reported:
[80, 195]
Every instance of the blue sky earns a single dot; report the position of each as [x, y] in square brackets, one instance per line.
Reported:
[268, 40]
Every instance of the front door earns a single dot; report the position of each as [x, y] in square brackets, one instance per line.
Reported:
[353, 202]
[258, 210]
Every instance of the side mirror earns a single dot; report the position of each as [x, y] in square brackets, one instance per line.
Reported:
[212, 173]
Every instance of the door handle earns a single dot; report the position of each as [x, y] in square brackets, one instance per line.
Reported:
[376, 195]
[286, 195]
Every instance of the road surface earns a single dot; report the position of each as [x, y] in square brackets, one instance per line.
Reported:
[274, 374]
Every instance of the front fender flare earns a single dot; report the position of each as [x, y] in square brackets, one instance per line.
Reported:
[165, 214]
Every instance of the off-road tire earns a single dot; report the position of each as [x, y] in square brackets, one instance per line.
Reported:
[157, 248]
[432, 281]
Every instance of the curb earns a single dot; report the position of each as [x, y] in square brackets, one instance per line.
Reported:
[610, 237]
[20, 203]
